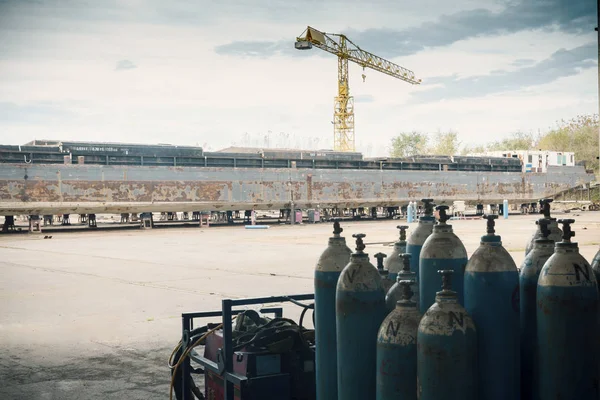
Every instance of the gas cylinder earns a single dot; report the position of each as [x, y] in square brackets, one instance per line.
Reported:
[567, 334]
[360, 309]
[397, 349]
[555, 232]
[395, 293]
[386, 280]
[419, 235]
[543, 248]
[596, 266]
[441, 250]
[447, 349]
[492, 299]
[409, 212]
[393, 264]
[327, 272]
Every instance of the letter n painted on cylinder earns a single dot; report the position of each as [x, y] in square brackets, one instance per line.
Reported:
[391, 330]
[581, 270]
[459, 319]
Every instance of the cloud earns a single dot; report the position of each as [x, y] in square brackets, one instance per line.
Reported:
[36, 112]
[568, 16]
[522, 62]
[364, 98]
[261, 49]
[124, 65]
[562, 63]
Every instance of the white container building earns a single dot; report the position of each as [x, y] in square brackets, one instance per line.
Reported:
[536, 160]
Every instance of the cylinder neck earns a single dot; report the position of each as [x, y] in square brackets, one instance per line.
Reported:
[404, 304]
[359, 257]
[543, 243]
[443, 227]
[446, 296]
[402, 275]
[491, 240]
[337, 241]
[566, 247]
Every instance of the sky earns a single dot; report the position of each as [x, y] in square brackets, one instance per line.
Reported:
[224, 73]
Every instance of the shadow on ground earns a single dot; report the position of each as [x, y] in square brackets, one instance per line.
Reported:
[118, 373]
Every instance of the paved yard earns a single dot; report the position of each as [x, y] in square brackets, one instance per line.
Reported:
[95, 315]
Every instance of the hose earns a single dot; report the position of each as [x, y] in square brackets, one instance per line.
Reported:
[193, 334]
[186, 353]
[296, 302]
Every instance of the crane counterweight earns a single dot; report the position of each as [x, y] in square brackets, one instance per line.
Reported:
[346, 50]
[303, 45]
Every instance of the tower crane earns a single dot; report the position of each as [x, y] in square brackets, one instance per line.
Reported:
[346, 50]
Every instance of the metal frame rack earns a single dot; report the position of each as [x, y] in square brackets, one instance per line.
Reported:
[224, 366]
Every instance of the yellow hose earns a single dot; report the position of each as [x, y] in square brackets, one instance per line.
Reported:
[185, 354]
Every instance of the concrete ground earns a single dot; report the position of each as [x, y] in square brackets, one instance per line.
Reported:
[94, 315]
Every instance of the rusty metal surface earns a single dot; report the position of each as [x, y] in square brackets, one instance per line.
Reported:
[39, 189]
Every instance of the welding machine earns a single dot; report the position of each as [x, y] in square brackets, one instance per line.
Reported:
[255, 357]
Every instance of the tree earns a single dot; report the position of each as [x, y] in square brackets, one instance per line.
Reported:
[473, 150]
[408, 144]
[445, 144]
[517, 141]
[579, 135]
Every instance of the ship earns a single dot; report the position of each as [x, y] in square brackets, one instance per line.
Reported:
[53, 177]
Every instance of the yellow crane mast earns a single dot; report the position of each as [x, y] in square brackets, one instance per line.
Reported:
[346, 50]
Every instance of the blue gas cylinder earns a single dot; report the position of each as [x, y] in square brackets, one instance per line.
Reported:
[492, 299]
[360, 309]
[447, 349]
[543, 248]
[409, 212]
[395, 293]
[567, 322]
[329, 266]
[397, 349]
[555, 232]
[393, 263]
[419, 235]
[442, 250]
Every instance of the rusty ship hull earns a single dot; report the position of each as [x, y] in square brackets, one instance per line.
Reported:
[74, 188]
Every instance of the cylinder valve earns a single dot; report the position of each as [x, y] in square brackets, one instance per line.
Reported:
[403, 229]
[428, 206]
[443, 216]
[491, 223]
[360, 245]
[545, 207]
[543, 223]
[337, 229]
[380, 257]
[567, 232]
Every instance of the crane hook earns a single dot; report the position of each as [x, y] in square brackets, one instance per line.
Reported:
[364, 76]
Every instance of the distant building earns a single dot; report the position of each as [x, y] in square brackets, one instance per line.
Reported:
[536, 160]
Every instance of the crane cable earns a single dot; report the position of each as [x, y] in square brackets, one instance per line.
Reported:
[186, 353]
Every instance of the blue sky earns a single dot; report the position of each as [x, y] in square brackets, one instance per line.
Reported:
[218, 73]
